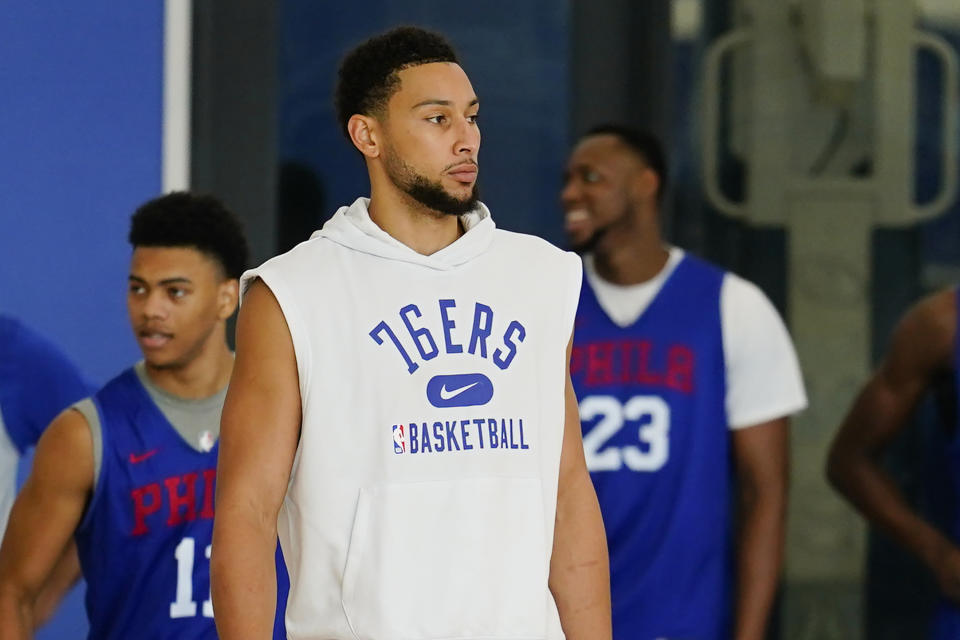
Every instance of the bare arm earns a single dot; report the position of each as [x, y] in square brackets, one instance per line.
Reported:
[761, 456]
[64, 575]
[922, 346]
[258, 440]
[579, 566]
[43, 518]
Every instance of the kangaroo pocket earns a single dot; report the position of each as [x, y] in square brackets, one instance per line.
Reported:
[452, 559]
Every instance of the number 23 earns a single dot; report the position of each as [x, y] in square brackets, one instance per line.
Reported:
[614, 415]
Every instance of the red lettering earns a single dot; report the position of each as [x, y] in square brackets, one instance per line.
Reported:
[644, 374]
[188, 499]
[600, 363]
[141, 509]
[626, 347]
[209, 476]
[680, 368]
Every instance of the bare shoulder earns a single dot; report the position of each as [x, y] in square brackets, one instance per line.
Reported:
[933, 319]
[926, 333]
[258, 298]
[65, 452]
[261, 316]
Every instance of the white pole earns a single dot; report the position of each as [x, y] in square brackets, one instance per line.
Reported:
[177, 48]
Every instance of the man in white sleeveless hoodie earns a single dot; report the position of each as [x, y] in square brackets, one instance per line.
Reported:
[400, 410]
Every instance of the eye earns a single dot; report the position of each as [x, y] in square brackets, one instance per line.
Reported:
[137, 289]
[437, 119]
[591, 176]
[473, 119]
[176, 292]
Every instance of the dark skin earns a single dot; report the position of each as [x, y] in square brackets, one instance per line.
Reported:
[610, 200]
[921, 350]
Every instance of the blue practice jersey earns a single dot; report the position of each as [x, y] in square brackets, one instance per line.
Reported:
[144, 543]
[655, 434]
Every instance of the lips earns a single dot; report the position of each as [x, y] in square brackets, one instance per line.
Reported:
[464, 173]
[153, 339]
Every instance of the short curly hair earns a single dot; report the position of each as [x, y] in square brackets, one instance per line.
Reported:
[201, 222]
[368, 74]
[643, 144]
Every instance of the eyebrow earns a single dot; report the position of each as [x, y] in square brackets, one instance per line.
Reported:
[442, 103]
[163, 283]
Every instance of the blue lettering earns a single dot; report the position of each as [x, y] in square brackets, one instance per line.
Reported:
[438, 435]
[383, 327]
[448, 324]
[463, 434]
[413, 437]
[425, 437]
[513, 444]
[428, 351]
[482, 325]
[504, 443]
[492, 426]
[479, 422]
[451, 436]
[514, 328]
[523, 445]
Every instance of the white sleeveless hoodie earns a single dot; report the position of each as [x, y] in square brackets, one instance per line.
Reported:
[422, 498]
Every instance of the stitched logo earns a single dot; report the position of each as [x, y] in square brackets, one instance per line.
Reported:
[137, 459]
[399, 439]
[459, 390]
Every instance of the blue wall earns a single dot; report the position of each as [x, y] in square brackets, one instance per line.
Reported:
[80, 121]
[516, 54]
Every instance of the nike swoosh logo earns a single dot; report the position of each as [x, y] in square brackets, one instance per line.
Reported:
[446, 394]
[136, 459]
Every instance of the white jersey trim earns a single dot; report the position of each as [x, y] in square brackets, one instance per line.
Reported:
[764, 381]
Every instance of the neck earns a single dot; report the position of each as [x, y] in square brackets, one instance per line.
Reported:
[422, 229]
[631, 256]
[207, 373]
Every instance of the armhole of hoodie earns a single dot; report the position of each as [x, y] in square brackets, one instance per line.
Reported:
[293, 318]
[571, 293]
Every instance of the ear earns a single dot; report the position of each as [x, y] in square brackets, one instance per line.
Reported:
[646, 183]
[365, 134]
[227, 297]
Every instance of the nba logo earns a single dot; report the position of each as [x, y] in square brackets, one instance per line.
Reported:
[399, 439]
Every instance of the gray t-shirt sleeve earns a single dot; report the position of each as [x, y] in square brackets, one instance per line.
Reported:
[88, 410]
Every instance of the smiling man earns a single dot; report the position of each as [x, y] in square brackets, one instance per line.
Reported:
[401, 399]
[686, 376]
[129, 472]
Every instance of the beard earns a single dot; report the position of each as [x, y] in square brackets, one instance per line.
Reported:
[587, 245]
[429, 193]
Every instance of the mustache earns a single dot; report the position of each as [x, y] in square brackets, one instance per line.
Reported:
[460, 164]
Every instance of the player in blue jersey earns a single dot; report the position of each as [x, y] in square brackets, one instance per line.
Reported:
[37, 381]
[129, 473]
[685, 377]
[923, 351]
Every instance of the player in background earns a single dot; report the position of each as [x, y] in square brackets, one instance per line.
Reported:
[923, 352]
[401, 398]
[37, 381]
[129, 472]
[686, 377]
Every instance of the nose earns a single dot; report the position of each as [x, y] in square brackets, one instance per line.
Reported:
[570, 192]
[468, 137]
[155, 305]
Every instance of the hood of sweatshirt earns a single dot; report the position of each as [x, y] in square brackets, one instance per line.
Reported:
[352, 227]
